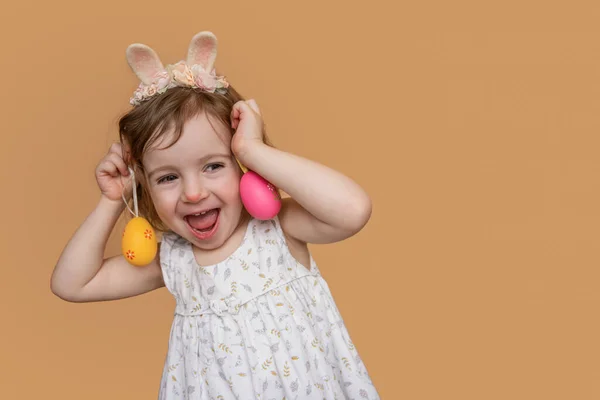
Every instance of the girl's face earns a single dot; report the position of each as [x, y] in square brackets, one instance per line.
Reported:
[194, 184]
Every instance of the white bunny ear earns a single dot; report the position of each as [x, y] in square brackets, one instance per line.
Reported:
[203, 50]
[144, 62]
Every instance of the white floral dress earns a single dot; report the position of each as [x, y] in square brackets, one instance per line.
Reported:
[258, 325]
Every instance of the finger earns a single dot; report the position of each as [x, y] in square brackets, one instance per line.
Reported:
[232, 116]
[238, 109]
[253, 105]
[119, 163]
[107, 167]
[112, 165]
[127, 183]
[122, 151]
[236, 113]
[115, 148]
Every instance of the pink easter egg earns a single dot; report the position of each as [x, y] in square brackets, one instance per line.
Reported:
[260, 198]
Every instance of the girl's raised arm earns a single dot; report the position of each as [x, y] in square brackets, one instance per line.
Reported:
[81, 273]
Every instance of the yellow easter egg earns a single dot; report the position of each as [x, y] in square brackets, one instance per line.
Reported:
[139, 242]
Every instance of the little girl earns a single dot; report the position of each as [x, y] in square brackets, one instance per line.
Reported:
[254, 319]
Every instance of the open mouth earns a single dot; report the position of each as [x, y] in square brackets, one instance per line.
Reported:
[203, 224]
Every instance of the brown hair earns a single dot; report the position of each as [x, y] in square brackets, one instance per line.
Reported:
[168, 112]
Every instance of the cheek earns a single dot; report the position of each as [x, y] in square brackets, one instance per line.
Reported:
[229, 188]
[163, 200]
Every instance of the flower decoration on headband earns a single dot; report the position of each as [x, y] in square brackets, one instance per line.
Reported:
[196, 71]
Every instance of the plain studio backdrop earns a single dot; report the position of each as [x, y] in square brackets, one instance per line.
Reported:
[473, 125]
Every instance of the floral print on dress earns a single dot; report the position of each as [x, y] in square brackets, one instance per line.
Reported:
[258, 325]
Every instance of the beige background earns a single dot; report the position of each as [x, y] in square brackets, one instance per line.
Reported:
[473, 125]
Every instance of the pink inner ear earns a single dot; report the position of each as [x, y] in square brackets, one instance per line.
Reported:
[144, 62]
[203, 51]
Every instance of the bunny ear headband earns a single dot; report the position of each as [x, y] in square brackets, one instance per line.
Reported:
[196, 72]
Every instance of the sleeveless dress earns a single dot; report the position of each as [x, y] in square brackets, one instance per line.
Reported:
[258, 325]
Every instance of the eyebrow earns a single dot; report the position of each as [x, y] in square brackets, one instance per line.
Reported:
[201, 161]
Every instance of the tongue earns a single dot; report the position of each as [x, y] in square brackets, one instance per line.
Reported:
[204, 221]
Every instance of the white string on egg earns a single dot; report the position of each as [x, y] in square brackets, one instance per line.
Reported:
[135, 204]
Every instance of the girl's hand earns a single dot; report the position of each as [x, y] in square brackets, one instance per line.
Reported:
[113, 176]
[248, 125]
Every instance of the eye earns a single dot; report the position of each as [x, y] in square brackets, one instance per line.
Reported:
[166, 178]
[213, 167]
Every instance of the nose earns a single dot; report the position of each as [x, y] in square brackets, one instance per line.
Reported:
[193, 192]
